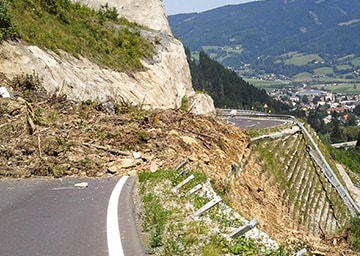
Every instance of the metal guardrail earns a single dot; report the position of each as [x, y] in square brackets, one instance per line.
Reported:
[320, 159]
[344, 144]
[330, 174]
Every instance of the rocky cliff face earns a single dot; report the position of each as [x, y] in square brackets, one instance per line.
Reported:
[164, 83]
[150, 13]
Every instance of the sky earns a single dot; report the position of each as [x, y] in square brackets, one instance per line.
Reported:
[187, 6]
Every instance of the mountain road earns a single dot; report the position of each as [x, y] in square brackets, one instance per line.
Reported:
[70, 216]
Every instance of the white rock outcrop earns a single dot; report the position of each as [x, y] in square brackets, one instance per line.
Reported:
[164, 83]
[150, 13]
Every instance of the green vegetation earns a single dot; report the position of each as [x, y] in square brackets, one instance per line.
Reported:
[155, 218]
[28, 82]
[355, 232]
[222, 53]
[65, 26]
[349, 157]
[303, 76]
[300, 59]
[337, 131]
[172, 232]
[7, 30]
[355, 61]
[185, 104]
[343, 88]
[256, 132]
[226, 88]
[267, 84]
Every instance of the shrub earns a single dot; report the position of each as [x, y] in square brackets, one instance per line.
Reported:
[7, 30]
[108, 13]
[31, 82]
[185, 102]
[355, 232]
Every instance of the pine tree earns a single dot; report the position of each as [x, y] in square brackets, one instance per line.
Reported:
[358, 141]
[335, 135]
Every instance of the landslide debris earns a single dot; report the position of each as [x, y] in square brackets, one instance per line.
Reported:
[45, 135]
[42, 135]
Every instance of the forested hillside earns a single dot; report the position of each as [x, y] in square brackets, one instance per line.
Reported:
[226, 88]
[265, 34]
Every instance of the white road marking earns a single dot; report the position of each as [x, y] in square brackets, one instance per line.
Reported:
[112, 221]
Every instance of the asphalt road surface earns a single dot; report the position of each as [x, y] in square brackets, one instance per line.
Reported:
[248, 122]
[56, 217]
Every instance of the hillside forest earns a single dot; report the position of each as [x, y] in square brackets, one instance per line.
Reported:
[226, 88]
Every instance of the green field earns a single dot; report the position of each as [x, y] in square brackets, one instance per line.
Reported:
[220, 53]
[324, 71]
[356, 62]
[300, 59]
[267, 84]
[343, 67]
[303, 77]
[327, 83]
[342, 88]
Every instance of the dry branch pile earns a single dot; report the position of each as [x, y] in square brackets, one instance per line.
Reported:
[51, 136]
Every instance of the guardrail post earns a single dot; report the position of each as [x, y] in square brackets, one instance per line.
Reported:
[181, 165]
[194, 189]
[178, 186]
[207, 206]
[302, 252]
[247, 227]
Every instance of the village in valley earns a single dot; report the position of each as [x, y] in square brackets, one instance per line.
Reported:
[308, 99]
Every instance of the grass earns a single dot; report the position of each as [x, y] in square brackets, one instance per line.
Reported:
[267, 84]
[356, 62]
[177, 232]
[324, 71]
[301, 59]
[155, 218]
[355, 232]
[271, 165]
[185, 104]
[343, 88]
[220, 53]
[343, 67]
[98, 35]
[255, 132]
[302, 76]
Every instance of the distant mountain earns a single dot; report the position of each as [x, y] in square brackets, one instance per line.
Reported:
[267, 34]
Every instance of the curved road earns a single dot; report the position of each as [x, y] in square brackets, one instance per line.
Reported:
[60, 217]
[245, 122]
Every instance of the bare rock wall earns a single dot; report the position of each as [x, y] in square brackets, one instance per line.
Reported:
[164, 83]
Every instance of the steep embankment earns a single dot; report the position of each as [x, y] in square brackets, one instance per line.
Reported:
[281, 185]
[164, 82]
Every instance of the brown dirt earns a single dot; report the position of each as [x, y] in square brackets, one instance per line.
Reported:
[51, 136]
